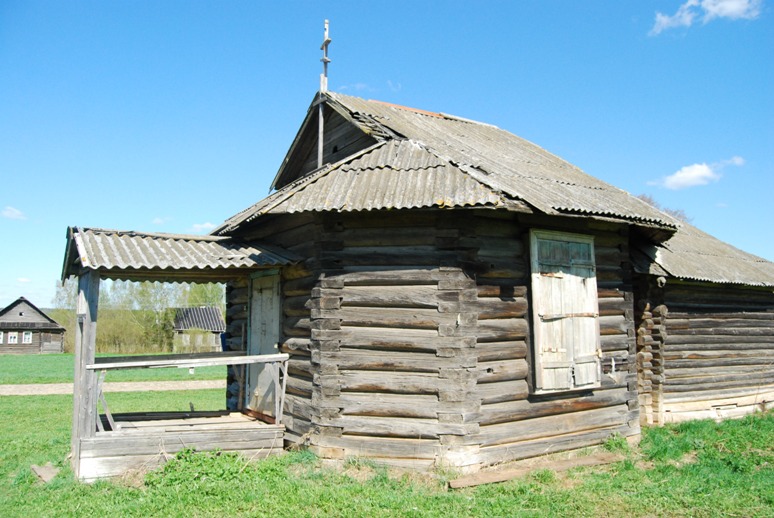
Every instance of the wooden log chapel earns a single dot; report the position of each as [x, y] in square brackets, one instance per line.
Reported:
[449, 294]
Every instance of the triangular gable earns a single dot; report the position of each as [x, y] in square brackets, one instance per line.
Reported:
[8, 315]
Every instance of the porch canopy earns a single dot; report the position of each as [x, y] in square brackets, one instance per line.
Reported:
[93, 254]
[144, 256]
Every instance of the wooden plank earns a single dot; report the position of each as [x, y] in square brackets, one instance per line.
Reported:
[492, 351]
[555, 425]
[208, 359]
[391, 382]
[502, 370]
[503, 391]
[547, 445]
[491, 477]
[511, 411]
[85, 381]
[390, 296]
[398, 426]
[403, 448]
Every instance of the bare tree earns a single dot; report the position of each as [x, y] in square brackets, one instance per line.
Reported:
[678, 214]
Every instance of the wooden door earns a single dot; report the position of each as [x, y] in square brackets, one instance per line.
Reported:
[566, 313]
[262, 339]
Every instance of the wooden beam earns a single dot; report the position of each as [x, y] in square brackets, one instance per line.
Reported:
[85, 381]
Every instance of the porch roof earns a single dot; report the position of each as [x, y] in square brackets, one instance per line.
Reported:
[143, 256]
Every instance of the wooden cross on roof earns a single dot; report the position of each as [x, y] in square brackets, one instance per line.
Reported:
[325, 60]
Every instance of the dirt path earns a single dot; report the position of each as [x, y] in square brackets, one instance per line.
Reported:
[126, 386]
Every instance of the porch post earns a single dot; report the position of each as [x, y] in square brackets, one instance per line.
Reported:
[85, 381]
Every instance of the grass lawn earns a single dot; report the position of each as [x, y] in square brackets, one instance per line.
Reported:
[693, 469]
[58, 368]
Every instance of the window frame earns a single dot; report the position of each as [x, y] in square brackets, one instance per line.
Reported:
[2, 336]
[13, 338]
[27, 337]
[564, 369]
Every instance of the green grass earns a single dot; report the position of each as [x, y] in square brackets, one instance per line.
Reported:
[58, 368]
[693, 469]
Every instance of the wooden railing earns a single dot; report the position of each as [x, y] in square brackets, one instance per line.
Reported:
[276, 362]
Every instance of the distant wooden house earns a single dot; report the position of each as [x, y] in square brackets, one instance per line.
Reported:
[198, 329]
[24, 329]
[450, 294]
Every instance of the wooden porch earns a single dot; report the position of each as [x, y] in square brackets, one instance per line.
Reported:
[118, 443]
[146, 441]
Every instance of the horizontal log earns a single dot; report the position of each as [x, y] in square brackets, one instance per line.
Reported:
[490, 393]
[391, 382]
[389, 275]
[703, 323]
[364, 446]
[388, 256]
[719, 345]
[491, 308]
[555, 425]
[505, 290]
[715, 386]
[398, 426]
[502, 370]
[615, 324]
[399, 339]
[390, 296]
[730, 354]
[376, 237]
[763, 363]
[510, 411]
[502, 330]
[759, 341]
[543, 446]
[364, 359]
[394, 317]
[742, 316]
[493, 351]
[751, 378]
[724, 331]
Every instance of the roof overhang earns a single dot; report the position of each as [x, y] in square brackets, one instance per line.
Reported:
[142, 256]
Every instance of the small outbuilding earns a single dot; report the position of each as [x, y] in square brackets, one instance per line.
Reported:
[25, 329]
[198, 329]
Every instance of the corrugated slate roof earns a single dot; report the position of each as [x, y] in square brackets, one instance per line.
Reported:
[425, 159]
[207, 318]
[127, 254]
[506, 163]
[388, 175]
[691, 254]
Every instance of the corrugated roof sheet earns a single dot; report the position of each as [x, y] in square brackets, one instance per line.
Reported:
[507, 163]
[116, 253]
[389, 175]
[691, 254]
[207, 318]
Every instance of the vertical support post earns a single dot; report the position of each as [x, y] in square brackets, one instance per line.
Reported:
[85, 381]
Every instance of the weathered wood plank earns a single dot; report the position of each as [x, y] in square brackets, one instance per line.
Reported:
[555, 425]
[520, 410]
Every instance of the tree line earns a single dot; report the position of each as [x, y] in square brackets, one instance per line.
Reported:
[134, 317]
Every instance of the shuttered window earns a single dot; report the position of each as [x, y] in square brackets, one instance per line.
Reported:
[565, 312]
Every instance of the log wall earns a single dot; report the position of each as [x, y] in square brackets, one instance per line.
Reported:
[409, 335]
[393, 330]
[299, 234]
[514, 423]
[718, 352]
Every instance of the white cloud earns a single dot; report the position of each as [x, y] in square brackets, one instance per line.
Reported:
[13, 213]
[395, 87]
[696, 174]
[706, 10]
[23, 280]
[159, 220]
[202, 227]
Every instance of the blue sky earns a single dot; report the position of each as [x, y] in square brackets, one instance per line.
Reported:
[172, 116]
